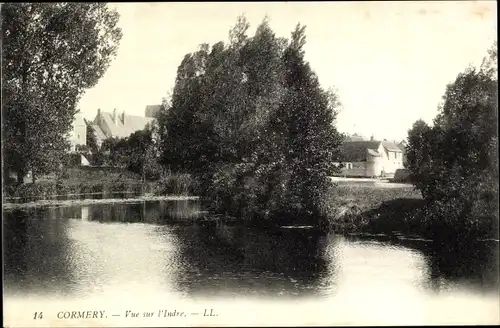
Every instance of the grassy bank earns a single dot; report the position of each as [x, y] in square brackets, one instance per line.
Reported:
[91, 182]
[352, 207]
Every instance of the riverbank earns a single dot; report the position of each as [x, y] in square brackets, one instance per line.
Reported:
[80, 202]
[89, 183]
[369, 208]
[350, 206]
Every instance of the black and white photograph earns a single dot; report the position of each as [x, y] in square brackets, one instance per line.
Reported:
[203, 164]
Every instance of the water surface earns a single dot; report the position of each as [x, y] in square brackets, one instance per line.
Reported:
[158, 249]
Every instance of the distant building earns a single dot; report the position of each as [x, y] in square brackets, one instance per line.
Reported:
[370, 158]
[402, 145]
[356, 137]
[121, 125]
[78, 133]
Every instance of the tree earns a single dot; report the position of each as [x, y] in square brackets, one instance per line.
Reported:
[306, 117]
[91, 139]
[489, 66]
[240, 117]
[455, 162]
[418, 155]
[138, 145]
[115, 152]
[51, 54]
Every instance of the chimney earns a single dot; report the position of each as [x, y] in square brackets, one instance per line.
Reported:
[98, 118]
[114, 115]
[123, 117]
[372, 138]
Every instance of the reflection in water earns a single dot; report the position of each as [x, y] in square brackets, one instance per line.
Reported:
[226, 260]
[120, 260]
[155, 247]
[368, 267]
[85, 213]
[473, 266]
[159, 212]
[37, 255]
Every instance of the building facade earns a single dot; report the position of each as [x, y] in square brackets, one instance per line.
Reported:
[78, 133]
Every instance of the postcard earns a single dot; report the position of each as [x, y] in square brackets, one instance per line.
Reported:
[250, 164]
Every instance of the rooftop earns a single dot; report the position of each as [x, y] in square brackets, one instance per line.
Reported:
[356, 151]
[125, 124]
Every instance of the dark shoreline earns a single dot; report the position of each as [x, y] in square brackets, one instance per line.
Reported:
[90, 201]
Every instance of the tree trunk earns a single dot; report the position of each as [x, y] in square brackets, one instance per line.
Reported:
[33, 177]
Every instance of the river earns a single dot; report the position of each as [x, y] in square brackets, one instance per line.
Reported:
[145, 253]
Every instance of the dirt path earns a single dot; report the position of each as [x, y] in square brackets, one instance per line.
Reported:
[367, 182]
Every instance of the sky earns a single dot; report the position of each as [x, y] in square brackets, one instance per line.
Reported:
[390, 62]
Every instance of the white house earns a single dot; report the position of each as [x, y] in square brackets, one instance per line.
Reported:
[371, 158]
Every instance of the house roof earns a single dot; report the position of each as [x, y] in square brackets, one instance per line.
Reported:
[124, 128]
[356, 138]
[402, 145]
[391, 146]
[355, 151]
[99, 134]
[373, 152]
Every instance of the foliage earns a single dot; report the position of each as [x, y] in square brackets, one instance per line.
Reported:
[91, 139]
[138, 153]
[455, 162]
[306, 116]
[114, 152]
[137, 146]
[51, 53]
[251, 122]
[175, 184]
[83, 149]
[418, 154]
[82, 182]
[142, 153]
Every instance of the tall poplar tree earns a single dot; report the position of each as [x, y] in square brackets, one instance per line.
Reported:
[51, 53]
[251, 122]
